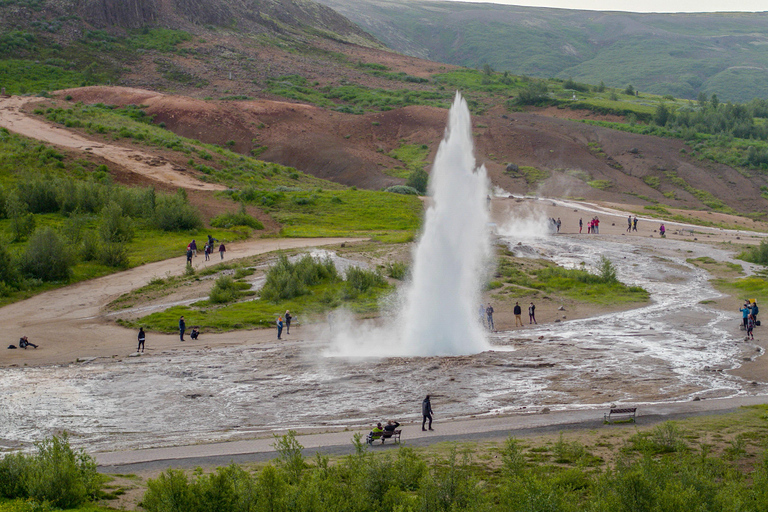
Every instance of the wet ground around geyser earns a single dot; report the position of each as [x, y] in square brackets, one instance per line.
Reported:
[673, 349]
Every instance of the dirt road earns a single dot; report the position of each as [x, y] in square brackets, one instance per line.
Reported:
[140, 162]
[68, 324]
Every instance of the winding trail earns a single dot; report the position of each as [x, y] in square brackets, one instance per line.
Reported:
[135, 160]
[69, 323]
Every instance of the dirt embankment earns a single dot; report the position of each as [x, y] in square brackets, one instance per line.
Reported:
[577, 160]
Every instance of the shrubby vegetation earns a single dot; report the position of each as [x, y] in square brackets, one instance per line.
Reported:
[656, 471]
[756, 254]
[286, 280]
[306, 284]
[56, 474]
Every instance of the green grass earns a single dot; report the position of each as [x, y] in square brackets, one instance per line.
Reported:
[526, 276]
[533, 175]
[600, 184]
[260, 313]
[352, 98]
[413, 157]
[746, 288]
[386, 217]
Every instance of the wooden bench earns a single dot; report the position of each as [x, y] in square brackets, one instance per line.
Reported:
[620, 414]
[394, 435]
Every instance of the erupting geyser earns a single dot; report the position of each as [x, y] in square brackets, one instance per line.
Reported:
[440, 312]
[438, 309]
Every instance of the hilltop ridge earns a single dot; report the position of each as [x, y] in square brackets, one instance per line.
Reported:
[66, 20]
[660, 53]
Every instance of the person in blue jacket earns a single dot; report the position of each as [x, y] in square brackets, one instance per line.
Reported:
[745, 312]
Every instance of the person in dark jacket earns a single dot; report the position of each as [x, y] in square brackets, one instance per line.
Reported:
[754, 311]
[24, 343]
[391, 426]
[518, 311]
[142, 337]
[182, 328]
[532, 314]
[288, 322]
[426, 412]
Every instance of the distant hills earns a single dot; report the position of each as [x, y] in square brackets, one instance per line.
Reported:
[676, 54]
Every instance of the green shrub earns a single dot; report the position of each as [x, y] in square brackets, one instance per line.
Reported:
[756, 254]
[397, 270]
[402, 189]
[22, 222]
[418, 180]
[9, 271]
[114, 226]
[229, 219]
[360, 280]
[174, 213]
[47, 257]
[56, 474]
[225, 290]
[286, 280]
[606, 270]
[113, 254]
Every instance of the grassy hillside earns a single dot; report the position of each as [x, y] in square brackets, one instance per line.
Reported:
[677, 54]
[52, 44]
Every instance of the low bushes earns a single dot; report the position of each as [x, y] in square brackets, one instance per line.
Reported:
[570, 480]
[286, 280]
[56, 474]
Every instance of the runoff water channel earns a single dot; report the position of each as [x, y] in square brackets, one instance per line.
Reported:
[674, 349]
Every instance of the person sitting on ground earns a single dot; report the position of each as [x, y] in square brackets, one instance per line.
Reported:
[195, 333]
[24, 343]
[377, 430]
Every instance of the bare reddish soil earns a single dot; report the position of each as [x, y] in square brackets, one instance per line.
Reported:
[352, 149]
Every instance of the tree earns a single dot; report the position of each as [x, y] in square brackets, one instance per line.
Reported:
[487, 69]
[22, 222]
[629, 91]
[114, 226]
[47, 257]
[662, 115]
[702, 99]
[601, 87]
[715, 102]
[534, 94]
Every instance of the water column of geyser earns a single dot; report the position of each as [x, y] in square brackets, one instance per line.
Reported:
[440, 315]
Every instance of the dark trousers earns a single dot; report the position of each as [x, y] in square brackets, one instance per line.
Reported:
[279, 332]
[424, 421]
[287, 327]
[141, 346]
[181, 334]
